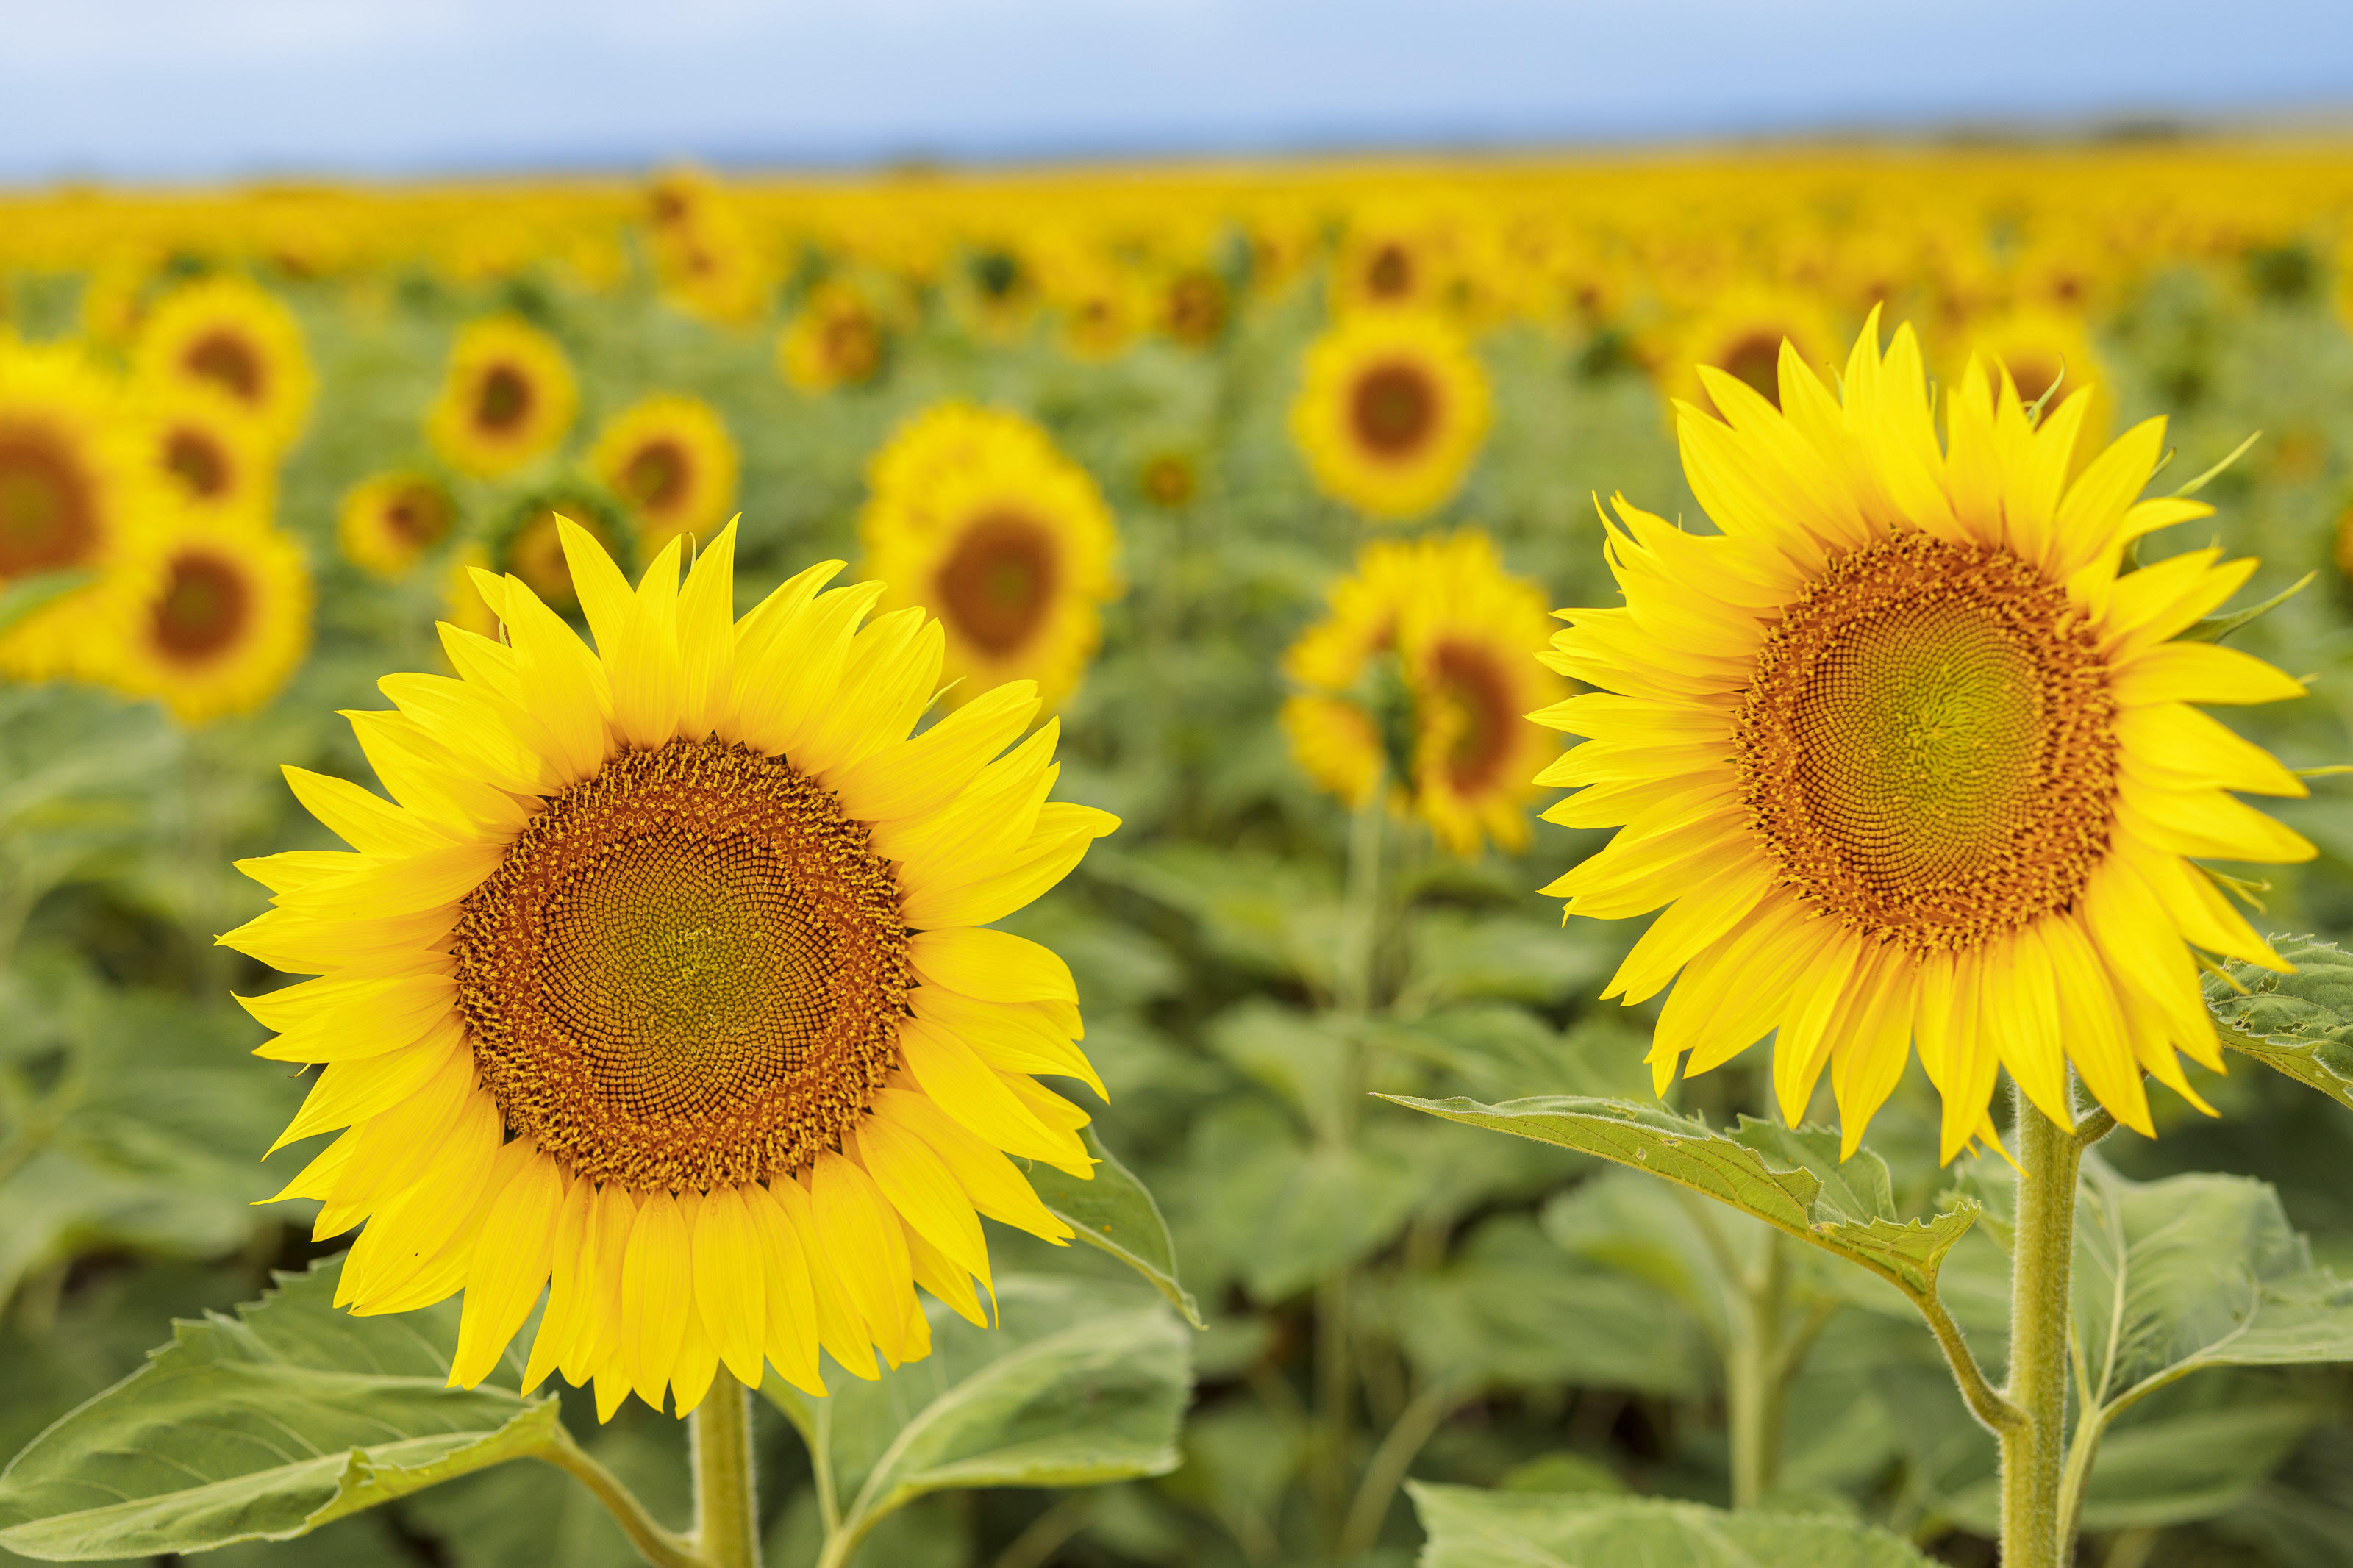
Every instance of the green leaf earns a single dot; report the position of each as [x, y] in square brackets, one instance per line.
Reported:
[1284, 1211]
[261, 1427]
[1077, 1383]
[1117, 1214]
[1791, 1179]
[1492, 1317]
[1469, 1528]
[2299, 1024]
[2214, 628]
[2196, 1270]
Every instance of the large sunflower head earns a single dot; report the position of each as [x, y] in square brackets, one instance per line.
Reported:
[663, 977]
[1391, 410]
[671, 461]
[206, 454]
[77, 481]
[229, 335]
[1421, 674]
[388, 522]
[224, 624]
[974, 512]
[1907, 757]
[508, 396]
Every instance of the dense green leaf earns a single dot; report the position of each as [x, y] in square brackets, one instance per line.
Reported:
[1469, 1528]
[2299, 1024]
[1791, 1180]
[1078, 1382]
[261, 1427]
[1287, 1210]
[1116, 1213]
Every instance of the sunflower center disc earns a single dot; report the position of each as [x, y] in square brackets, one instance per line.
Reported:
[997, 581]
[1474, 716]
[417, 516]
[200, 463]
[504, 401]
[203, 608]
[1394, 410]
[1926, 747]
[656, 475]
[230, 362]
[687, 972]
[45, 520]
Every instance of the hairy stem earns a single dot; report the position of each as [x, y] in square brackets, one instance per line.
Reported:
[2042, 1265]
[726, 1505]
[662, 1548]
[1386, 1471]
[1756, 1372]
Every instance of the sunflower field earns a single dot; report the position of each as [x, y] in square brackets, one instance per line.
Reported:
[1558, 846]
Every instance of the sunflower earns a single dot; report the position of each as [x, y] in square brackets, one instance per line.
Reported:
[974, 512]
[663, 978]
[709, 261]
[838, 338]
[1740, 331]
[225, 622]
[205, 452]
[671, 460]
[229, 335]
[508, 397]
[1392, 257]
[1904, 757]
[1391, 410]
[388, 522]
[1195, 305]
[1427, 655]
[75, 483]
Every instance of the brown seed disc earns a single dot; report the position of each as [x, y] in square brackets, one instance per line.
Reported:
[204, 608]
[1927, 745]
[1394, 409]
[1478, 696]
[998, 582]
[47, 512]
[688, 971]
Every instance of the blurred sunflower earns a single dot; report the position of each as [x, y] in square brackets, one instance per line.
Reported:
[76, 484]
[226, 623]
[706, 257]
[1195, 305]
[206, 453]
[508, 397]
[1424, 673]
[229, 335]
[1904, 759]
[1739, 330]
[662, 984]
[671, 460]
[973, 514]
[1392, 257]
[388, 522]
[1391, 410]
[1169, 479]
[836, 338]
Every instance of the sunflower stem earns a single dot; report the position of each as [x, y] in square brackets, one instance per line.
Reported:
[2043, 1251]
[1756, 1374]
[726, 1505]
[662, 1548]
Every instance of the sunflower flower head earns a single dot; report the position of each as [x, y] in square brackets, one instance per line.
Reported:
[1905, 755]
[1420, 675]
[662, 982]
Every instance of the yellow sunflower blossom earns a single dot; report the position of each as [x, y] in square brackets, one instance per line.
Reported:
[206, 454]
[1460, 631]
[671, 460]
[229, 335]
[1903, 757]
[388, 522]
[838, 337]
[976, 513]
[1391, 410]
[662, 984]
[224, 625]
[508, 397]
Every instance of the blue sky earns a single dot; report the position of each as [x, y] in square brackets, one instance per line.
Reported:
[205, 89]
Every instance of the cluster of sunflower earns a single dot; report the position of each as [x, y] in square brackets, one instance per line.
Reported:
[138, 504]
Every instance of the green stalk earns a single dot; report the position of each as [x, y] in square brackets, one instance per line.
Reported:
[1756, 1374]
[2043, 1256]
[1352, 994]
[726, 1504]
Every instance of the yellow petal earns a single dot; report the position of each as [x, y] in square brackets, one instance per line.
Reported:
[923, 1192]
[791, 1332]
[993, 1183]
[925, 772]
[730, 1282]
[510, 1264]
[706, 638]
[656, 1295]
[994, 966]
